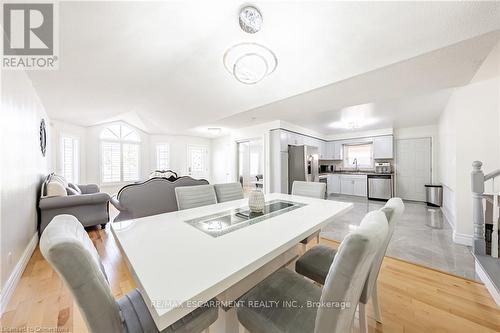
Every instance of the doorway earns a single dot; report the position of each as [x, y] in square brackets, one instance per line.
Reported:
[197, 161]
[413, 168]
[251, 164]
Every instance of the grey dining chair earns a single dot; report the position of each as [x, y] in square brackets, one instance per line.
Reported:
[309, 189]
[300, 306]
[195, 196]
[312, 190]
[67, 247]
[316, 263]
[228, 192]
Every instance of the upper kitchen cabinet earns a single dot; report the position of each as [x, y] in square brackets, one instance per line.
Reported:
[337, 150]
[383, 147]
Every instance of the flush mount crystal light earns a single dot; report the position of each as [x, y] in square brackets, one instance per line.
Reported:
[250, 19]
[249, 63]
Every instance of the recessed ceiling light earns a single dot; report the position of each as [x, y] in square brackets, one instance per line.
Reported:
[214, 130]
[250, 19]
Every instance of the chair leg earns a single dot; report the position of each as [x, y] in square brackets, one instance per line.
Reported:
[317, 238]
[363, 320]
[376, 305]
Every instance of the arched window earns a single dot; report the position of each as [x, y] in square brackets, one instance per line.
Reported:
[120, 154]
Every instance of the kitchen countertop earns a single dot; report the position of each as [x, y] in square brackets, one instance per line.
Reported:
[354, 173]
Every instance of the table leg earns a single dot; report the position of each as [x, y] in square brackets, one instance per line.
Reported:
[226, 323]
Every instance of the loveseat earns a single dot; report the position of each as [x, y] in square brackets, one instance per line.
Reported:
[85, 202]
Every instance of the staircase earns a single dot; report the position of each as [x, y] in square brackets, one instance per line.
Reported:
[486, 215]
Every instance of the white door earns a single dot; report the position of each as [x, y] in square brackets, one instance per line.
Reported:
[413, 168]
[197, 161]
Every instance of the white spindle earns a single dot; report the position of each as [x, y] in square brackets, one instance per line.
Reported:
[494, 235]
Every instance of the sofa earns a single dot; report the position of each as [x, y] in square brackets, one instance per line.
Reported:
[151, 197]
[85, 202]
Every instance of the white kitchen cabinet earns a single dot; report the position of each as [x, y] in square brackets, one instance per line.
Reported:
[322, 150]
[337, 150]
[353, 185]
[346, 185]
[383, 147]
[333, 184]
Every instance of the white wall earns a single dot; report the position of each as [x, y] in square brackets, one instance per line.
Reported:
[469, 128]
[221, 160]
[178, 150]
[22, 168]
[90, 151]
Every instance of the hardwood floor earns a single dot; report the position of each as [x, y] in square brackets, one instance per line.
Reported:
[413, 298]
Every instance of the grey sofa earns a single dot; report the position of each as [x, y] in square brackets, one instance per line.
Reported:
[154, 196]
[90, 206]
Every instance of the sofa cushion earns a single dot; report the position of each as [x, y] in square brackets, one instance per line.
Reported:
[55, 189]
[71, 191]
[75, 187]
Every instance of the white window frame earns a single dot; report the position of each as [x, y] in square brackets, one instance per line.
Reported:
[76, 156]
[121, 142]
[346, 165]
[157, 160]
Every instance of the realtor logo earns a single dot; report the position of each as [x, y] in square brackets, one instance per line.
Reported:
[29, 30]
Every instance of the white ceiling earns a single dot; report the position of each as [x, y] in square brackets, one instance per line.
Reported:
[161, 62]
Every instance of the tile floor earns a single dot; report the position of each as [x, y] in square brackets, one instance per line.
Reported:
[421, 237]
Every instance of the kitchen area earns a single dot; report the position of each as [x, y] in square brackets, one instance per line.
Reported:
[360, 166]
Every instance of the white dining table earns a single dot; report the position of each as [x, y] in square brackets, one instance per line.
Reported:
[177, 265]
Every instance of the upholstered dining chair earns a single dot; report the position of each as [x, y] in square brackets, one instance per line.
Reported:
[195, 196]
[315, 263]
[67, 247]
[298, 305]
[309, 189]
[312, 190]
[228, 192]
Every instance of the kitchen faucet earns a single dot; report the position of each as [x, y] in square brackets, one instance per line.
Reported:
[355, 162]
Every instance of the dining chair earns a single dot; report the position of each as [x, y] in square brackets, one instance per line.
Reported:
[195, 196]
[312, 190]
[309, 189]
[67, 247]
[228, 192]
[286, 302]
[315, 263]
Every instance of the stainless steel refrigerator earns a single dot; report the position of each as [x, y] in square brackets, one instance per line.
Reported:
[302, 164]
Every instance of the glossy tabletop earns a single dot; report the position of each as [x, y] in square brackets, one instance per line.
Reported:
[178, 266]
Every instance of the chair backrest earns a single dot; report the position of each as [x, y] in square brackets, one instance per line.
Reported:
[309, 189]
[195, 196]
[348, 273]
[68, 248]
[393, 210]
[228, 192]
[154, 196]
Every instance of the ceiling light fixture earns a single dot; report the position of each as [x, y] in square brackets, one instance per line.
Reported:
[214, 130]
[249, 63]
[250, 19]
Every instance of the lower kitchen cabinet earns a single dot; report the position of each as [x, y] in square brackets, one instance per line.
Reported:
[353, 185]
[333, 184]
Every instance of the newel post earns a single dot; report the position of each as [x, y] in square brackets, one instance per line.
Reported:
[477, 178]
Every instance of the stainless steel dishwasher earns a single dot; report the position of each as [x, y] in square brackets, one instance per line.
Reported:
[380, 187]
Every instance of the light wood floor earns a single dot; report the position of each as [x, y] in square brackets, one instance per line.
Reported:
[413, 298]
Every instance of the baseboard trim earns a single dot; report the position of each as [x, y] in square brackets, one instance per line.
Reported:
[495, 294]
[16, 274]
[462, 239]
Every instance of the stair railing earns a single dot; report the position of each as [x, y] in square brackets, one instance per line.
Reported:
[478, 179]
